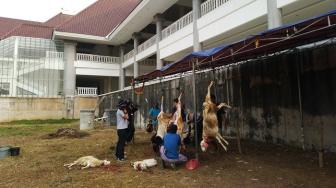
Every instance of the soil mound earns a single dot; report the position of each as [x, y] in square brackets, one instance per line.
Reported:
[66, 132]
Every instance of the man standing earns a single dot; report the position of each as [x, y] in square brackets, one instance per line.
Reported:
[153, 113]
[131, 109]
[122, 125]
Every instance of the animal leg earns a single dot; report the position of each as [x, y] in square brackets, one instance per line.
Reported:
[220, 142]
[87, 166]
[161, 104]
[220, 137]
[69, 165]
[221, 105]
[209, 91]
[179, 98]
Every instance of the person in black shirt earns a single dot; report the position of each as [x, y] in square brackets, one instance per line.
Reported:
[131, 109]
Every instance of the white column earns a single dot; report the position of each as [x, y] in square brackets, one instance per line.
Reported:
[158, 20]
[196, 4]
[121, 70]
[136, 64]
[274, 15]
[15, 68]
[69, 76]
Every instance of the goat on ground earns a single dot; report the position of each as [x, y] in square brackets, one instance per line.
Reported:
[88, 161]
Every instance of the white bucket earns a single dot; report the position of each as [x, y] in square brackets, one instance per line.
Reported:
[4, 152]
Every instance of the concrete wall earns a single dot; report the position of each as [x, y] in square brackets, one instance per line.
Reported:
[19, 108]
[264, 94]
[87, 102]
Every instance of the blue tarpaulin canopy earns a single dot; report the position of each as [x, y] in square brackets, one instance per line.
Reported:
[199, 54]
[184, 65]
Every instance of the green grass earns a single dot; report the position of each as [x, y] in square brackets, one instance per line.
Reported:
[40, 122]
[34, 127]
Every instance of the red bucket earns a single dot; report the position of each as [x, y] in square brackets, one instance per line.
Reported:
[192, 164]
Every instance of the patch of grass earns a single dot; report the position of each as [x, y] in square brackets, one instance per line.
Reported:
[40, 122]
[35, 127]
[30, 130]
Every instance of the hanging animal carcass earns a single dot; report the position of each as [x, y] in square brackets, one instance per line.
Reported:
[210, 121]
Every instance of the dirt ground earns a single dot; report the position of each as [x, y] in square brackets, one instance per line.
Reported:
[41, 164]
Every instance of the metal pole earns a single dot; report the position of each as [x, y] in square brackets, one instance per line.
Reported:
[194, 104]
[240, 114]
[300, 105]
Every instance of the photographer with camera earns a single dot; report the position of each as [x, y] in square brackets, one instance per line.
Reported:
[122, 129]
[131, 109]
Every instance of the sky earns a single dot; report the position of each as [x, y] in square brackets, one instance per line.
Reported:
[40, 10]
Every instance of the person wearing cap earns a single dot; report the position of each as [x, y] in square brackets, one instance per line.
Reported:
[122, 125]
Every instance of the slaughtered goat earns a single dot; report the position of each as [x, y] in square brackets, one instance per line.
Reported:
[210, 121]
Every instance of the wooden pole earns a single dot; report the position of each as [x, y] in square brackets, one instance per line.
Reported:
[300, 104]
[226, 71]
[240, 115]
[194, 63]
[321, 152]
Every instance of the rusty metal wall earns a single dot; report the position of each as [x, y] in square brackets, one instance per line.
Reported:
[265, 97]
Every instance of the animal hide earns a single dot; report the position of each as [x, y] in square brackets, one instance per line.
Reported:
[163, 121]
[210, 121]
[179, 119]
[144, 165]
[88, 161]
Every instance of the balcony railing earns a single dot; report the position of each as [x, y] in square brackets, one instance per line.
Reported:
[187, 19]
[129, 55]
[97, 58]
[57, 55]
[148, 43]
[211, 5]
[148, 61]
[179, 24]
[86, 91]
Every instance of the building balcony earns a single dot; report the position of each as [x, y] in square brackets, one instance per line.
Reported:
[86, 91]
[97, 65]
[221, 22]
[96, 58]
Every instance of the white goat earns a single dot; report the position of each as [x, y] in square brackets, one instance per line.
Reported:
[88, 161]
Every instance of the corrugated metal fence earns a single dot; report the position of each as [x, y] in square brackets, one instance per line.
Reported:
[264, 93]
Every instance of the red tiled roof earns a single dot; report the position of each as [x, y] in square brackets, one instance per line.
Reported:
[58, 20]
[100, 18]
[31, 30]
[8, 24]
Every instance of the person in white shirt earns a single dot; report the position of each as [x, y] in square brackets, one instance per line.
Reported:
[122, 125]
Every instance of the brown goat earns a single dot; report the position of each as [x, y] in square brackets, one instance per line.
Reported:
[210, 121]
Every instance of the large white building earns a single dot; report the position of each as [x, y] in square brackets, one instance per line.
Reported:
[103, 47]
